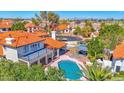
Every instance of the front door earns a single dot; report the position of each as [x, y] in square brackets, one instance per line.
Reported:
[118, 68]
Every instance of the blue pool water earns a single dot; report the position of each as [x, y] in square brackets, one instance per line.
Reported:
[71, 69]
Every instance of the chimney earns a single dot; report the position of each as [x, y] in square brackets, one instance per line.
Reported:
[28, 29]
[53, 34]
[32, 29]
[9, 40]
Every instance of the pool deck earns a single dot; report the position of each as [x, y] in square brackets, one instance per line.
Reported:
[66, 57]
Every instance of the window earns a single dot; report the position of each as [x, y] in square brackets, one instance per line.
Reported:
[38, 45]
[34, 46]
[9, 29]
[26, 49]
[4, 29]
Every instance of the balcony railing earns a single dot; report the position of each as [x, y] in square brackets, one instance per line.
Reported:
[36, 55]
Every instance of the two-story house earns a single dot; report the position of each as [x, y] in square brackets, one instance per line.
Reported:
[63, 28]
[30, 27]
[21, 46]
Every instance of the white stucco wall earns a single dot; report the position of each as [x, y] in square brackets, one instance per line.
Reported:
[105, 63]
[11, 53]
[1, 30]
[14, 53]
[119, 63]
[54, 35]
[122, 66]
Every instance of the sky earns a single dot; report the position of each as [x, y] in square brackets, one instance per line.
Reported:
[66, 14]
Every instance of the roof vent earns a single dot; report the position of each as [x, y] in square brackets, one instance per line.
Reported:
[54, 35]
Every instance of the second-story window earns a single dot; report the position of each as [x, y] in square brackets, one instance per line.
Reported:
[32, 47]
[35, 45]
[38, 45]
[26, 49]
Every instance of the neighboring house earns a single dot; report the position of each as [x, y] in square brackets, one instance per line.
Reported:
[30, 27]
[41, 33]
[118, 58]
[94, 34]
[63, 28]
[96, 26]
[105, 63]
[5, 25]
[36, 30]
[75, 24]
[21, 46]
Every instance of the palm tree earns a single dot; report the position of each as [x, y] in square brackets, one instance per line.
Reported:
[47, 20]
[88, 28]
[96, 72]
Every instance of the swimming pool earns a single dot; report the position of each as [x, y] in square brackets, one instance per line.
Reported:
[71, 69]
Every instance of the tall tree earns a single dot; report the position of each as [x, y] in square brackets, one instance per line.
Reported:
[47, 20]
[77, 31]
[95, 48]
[19, 26]
[10, 71]
[34, 21]
[87, 30]
[112, 35]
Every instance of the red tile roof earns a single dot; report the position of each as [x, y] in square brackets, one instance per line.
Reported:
[51, 43]
[6, 23]
[21, 38]
[5, 26]
[30, 25]
[40, 33]
[119, 51]
[1, 51]
[62, 27]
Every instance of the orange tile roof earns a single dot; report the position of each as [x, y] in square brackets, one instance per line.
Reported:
[6, 23]
[51, 43]
[21, 38]
[1, 51]
[30, 25]
[119, 51]
[62, 27]
[40, 33]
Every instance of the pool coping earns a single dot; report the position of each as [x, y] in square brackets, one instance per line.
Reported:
[66, 57]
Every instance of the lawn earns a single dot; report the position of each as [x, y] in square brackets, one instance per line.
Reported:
[117, 78]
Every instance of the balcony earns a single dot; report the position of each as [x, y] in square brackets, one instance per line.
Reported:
[35, 55]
